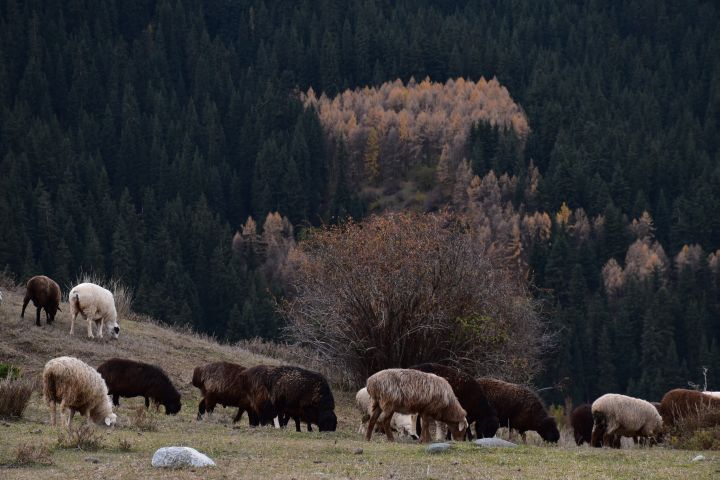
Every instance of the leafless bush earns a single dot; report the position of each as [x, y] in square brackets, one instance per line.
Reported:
[14, 396]
[85, 437]
[30, 454]
[143, 420]
[123, 294]
[405, 288]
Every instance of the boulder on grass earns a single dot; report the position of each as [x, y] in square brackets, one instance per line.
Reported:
[494, 442]
[179, 457]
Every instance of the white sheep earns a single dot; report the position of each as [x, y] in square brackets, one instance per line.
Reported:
[412, 391]
[77, 387]
[97, 305]
[712, 394]
[400, 423]
[616, 416]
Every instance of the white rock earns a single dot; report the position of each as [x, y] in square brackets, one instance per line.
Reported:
[494, 442]
[178, 457]
[699, 458]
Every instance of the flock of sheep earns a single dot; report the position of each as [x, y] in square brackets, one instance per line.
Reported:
[409, 402]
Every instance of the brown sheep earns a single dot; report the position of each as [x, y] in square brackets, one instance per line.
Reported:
[680, 402]
[128, 378]
[520, 408]
[44, 293]
[301, 395]
[232, 385]
[582, 423]
[412, 391]
[471, 396]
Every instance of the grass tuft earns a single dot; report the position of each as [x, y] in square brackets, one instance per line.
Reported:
[14, 396]
[143, 420]
[85, 437]
[28, 454]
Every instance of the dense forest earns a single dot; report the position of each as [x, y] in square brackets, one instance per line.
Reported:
[138, 136]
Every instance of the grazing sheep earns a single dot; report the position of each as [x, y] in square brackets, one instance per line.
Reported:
[412, 391]
[400, 423]
[520, 408]
[77, 387]
[97, 305]
[44, 293]
[582, 423]
[680, 402]
[616, 416]
[302, 395]
[128, 378]
[471, 396]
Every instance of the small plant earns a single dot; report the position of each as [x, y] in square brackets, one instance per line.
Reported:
[9, 371]
[31, 454]
[86, 437]
[125, 445]
[14, 396]
[144, 421]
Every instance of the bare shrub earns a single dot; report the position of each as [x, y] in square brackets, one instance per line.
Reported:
[14, 396]
[85, 437]
[124, 295]
[28, 454]
[406, 288]
[143, 420]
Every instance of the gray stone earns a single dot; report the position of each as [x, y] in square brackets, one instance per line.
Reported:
[698, 458]
[358, 451]
[178, 457]
[494, 442]
[437, 447]
[92, 460]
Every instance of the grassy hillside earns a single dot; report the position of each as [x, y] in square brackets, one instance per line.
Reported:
[244, 452]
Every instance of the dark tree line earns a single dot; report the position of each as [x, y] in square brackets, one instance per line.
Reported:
[136, 136]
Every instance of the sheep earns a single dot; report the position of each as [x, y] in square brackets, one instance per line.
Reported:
[302, 395]
[44, 293]
[616, 415]
[520, 408]
[77, 387]
[128, 378]
[471, 396]
[680, 402]
[412, 391]
[582, 423]
[97, 305]
[403, 424]
[229, 385]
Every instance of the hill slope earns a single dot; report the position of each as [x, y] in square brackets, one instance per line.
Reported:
[28, 347]
[244, 452]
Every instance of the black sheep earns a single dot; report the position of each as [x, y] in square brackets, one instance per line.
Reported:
[128, 378]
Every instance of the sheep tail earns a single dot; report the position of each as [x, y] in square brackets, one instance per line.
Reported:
[76, 299]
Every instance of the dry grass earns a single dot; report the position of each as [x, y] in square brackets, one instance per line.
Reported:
[14, 396]
[125, 445]
[29, 454]
[696, 431]
[144, 420]
[85, 437]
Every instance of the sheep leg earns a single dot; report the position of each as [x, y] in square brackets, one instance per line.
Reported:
[297, 423]
[201, 409]
[89, 328]
[37, 316]
[425, 435]
[53, 412]
[309, 427]
[376, 411]
[386, 425]
[116, 399]
[100, 327]
[147, 403]
[72, 322]
[239, 415]
[524, 437]
[26, 300]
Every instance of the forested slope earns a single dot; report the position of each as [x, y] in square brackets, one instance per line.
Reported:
[137, 136]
